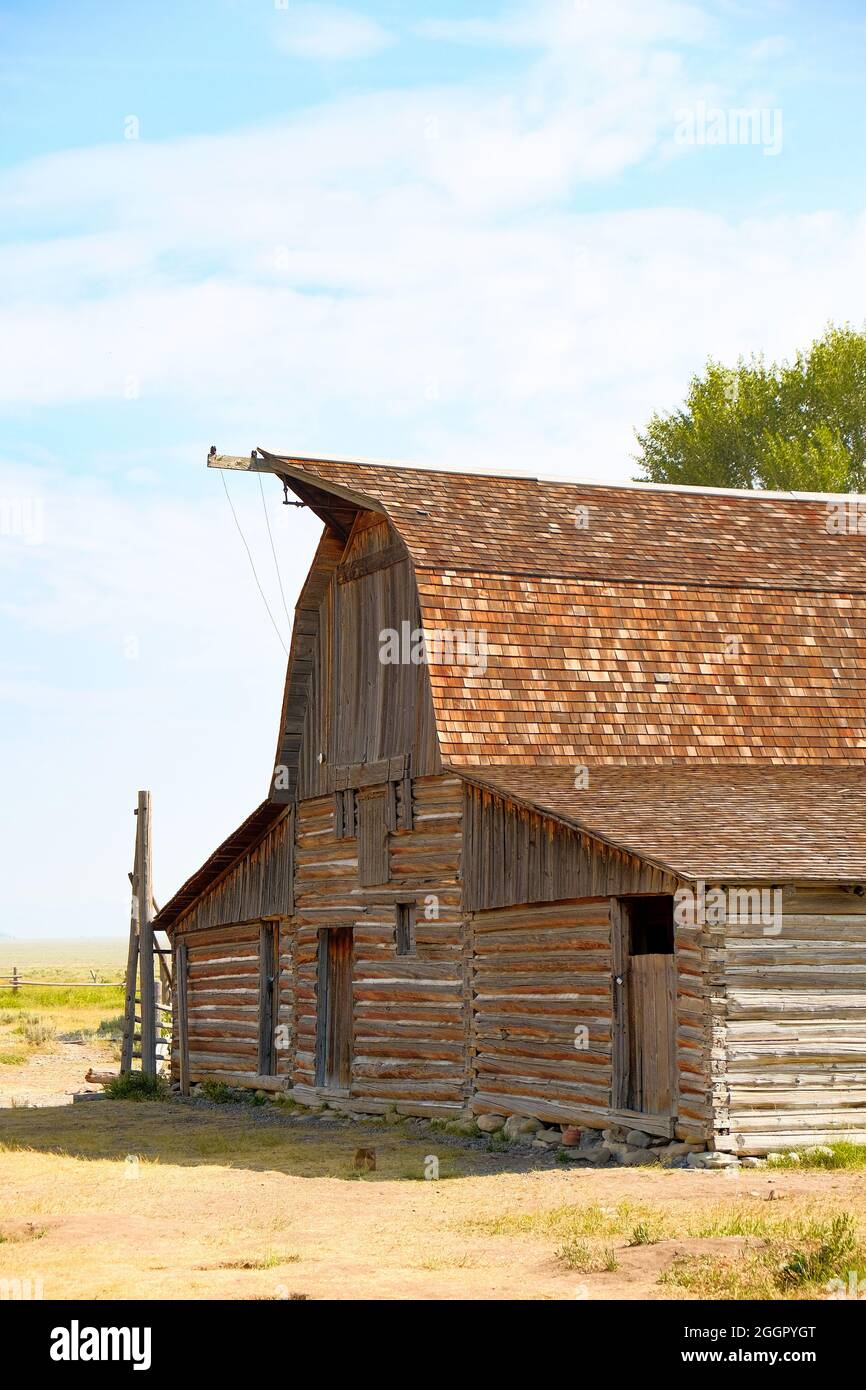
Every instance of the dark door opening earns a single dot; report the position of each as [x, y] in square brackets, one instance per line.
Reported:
[645, 1070]
[334, 1009]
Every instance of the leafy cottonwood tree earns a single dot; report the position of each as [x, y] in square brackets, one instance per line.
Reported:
[798, 426]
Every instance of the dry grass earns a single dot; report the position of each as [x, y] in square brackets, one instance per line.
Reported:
[241, 1202]
[61, 1006]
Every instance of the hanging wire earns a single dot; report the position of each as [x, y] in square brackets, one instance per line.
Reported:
[274, 553]
[253, 568]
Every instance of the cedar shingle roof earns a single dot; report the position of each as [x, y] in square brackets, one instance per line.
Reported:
[735, 824]
[685, 626]
[612, 672]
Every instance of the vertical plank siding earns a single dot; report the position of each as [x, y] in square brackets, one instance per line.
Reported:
[258, 885]
[793, 1028]
[357, 709]
[652, 1065]
[514, 855]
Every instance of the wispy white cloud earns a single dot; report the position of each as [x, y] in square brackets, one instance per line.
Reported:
[550, 24]
[328, 33]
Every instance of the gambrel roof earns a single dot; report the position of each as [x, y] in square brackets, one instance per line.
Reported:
[627, 625]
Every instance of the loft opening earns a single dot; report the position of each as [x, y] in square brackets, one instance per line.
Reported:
[651, 926]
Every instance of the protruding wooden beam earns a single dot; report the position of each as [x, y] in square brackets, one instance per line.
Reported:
[241, 463]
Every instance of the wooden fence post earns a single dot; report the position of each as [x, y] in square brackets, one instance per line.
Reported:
[131, 971]
[145, 936]
[179, 999]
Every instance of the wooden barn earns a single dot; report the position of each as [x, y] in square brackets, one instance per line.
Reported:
[567, 818]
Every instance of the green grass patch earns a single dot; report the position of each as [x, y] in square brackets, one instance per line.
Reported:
[218, 1093]
[623, 1219]
[644, 1233]
[805, 1264]
[134, 1085]
[840, 1155]
[579, 1255]
[30, 997]
[12, 1059]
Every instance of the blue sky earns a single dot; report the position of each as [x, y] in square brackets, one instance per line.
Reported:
[467, 234]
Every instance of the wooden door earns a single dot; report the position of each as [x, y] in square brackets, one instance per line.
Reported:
[269, 956]
[644, 1054]
[334, 1009]
[650, 1034]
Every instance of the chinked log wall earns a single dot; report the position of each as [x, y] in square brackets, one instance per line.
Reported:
[791, 1025]
[411, 1014]
[221, 934]
[540, 974]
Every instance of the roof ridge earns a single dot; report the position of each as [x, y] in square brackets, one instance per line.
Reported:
[557, 480]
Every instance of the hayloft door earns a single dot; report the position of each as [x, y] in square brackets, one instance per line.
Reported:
[644, 1062]
[334, 1009]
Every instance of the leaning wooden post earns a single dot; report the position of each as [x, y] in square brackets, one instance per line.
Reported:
[145, 937]
[15, 979]
[131, 970]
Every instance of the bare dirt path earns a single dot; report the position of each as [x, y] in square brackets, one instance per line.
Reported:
[173, 1201]
[51, 1077]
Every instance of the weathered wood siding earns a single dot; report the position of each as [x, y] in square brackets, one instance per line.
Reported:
[223, 1001]
[513, 855]
[540, 975]
[410, 1012]
[285, 1044]
[221, 932]
[357, 709]
[698, 1014]
[791, 1031]
[258, 885]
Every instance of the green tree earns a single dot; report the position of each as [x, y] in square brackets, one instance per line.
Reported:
[798, 426]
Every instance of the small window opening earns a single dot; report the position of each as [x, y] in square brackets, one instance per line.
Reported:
[405, 929]
[651, 926]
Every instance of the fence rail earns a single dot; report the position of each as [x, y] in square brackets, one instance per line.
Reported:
[17, 981]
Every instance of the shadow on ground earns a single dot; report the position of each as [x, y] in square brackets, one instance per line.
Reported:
[259, 1138]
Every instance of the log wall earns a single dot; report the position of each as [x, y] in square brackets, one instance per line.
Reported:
[699, 1019]
[223, 1001]
[539, 974]
[791, 1025]
[410, 1012]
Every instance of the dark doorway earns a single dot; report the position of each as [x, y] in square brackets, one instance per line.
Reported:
[334, 1009]
[645, 1068]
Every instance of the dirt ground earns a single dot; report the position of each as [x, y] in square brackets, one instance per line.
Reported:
[53, 1076]
[112, 1199]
